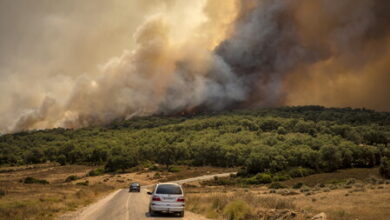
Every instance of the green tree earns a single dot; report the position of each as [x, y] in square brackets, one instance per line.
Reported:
[120, 163]
[170, 154]
[36, 155]
[384, 168]
[331, 158]
[99, 155]
[61, 159]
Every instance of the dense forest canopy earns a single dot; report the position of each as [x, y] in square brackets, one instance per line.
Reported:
[262, 140]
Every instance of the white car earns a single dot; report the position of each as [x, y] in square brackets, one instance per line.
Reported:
[168, 198]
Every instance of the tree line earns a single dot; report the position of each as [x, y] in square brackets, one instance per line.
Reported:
[267, 140]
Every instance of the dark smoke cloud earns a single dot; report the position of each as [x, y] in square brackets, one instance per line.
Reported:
[211, 56]
[276, 44]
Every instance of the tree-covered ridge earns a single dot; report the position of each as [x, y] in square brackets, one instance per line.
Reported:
[262, 140]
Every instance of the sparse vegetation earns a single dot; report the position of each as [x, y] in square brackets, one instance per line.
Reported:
[2, 192]
[237, 210]
[46, 204]
[298, 185]
[96, 172]
[260, 178]
[174, 169]
[71, 178]
[32, 180]
[276, 185]
[240, 205]
[84, 183]
[25, 194]
[337, 200]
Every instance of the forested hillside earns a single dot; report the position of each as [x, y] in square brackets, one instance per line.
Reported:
[289, 139]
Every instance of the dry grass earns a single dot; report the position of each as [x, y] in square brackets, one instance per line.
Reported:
[338, 176]
[343, 204]
[45, 201]
[339, 197]
[38, 201]
[213, 205]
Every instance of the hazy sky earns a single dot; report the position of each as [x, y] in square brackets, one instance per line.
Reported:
[45, 45]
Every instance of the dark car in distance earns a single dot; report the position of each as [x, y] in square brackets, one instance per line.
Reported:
[135, 187]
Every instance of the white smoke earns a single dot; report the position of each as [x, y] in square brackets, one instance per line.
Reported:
[168, 71]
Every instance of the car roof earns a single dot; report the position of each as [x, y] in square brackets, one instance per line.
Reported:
[168, 184]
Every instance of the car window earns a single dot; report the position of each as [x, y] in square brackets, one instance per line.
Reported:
[168, 189]
[135, 184]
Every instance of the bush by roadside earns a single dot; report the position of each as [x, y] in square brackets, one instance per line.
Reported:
[237, 210]
[32, 180]
[71, 178]
[276, 185]
[96, 172]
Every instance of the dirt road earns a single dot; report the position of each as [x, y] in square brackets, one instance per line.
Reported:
[122, 205]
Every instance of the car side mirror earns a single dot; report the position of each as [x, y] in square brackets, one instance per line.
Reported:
[149, 193]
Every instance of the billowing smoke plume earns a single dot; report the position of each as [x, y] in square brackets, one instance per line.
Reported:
[209, 55]
[333, 53]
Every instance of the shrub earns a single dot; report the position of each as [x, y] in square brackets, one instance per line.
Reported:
[276, 185]
[297, 185]
[275, 202]
[85, 183]
[219, 202]
[61, 159]
[260, 178]
[154, 167]
[225, 181]
[96, 172]
[237, 210]
[2, 192]
[351, 181]
[71, 178]
[157, 176]
[242, 173]
[120, 163]
[300, 172]
[174, 169]
[280, 177]
[221, 181]
[321, 185]
[32, 180]
[384, 168]
[305, 189]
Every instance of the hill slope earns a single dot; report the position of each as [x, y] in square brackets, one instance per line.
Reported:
[262, 140]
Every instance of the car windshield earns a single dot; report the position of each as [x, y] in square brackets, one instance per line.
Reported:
[168, 189]
[135, 184]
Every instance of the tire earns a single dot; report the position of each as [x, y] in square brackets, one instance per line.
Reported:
[151, 212]
[181, 214]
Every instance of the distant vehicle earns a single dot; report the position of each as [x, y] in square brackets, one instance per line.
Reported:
[135, 187]
[167, 198]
